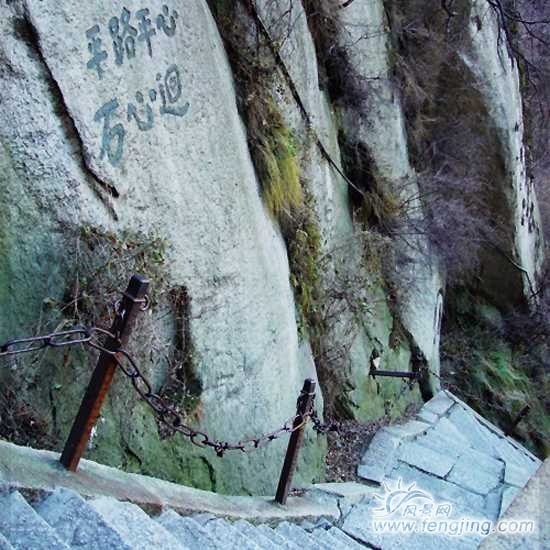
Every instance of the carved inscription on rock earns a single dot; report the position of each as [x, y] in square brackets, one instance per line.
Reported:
[128, 36]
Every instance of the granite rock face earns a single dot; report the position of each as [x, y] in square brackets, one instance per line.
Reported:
[124, 146]
[376, 123]
[122, 118]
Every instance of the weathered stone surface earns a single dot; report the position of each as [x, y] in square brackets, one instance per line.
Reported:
[345, 539]
[530, 505]
[77, 523]
[508, 496]
[40, 471]
[255, 535]
[133, 525]
[470, 428]
[188, 531]
[439, 404]
[328, 541]
[498, 81]
[355, 332]
[349, 491]
[515, 475]
[145, 139]
[476, 473]
[298, 535]
[229, 536]
[426, 459]
[173, 174]
[4, 544]
[408, 431]
[440, 489]
[378, 124]
[380, 456]
[24, 528]
[427, 416]
[276, 538]
[360, 525]
[493, 502]
[442, 444]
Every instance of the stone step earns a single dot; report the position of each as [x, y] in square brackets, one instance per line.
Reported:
[328, 540]
[298, 536]
[24, 528]
[255, 535]
[188, 531]
[77, 523]
[134, 526]
[278, 539]
[229, 536]
[350, 543]
[4, 544]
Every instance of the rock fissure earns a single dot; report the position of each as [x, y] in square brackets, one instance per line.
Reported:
[102, 189]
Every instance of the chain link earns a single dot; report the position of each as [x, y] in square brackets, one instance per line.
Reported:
[166, 413]
[323, 428]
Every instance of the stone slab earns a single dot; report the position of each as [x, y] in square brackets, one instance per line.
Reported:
[360, 525]
[493, 503]
[408, 431]
[508, 496]
[531, 504]
[255, 535]
[77, 523]
[440, 489]
[134, 526]
[329, 542]
[229, 536]
[298, 536]
[379, 457]
[439, 404]
[516, 475]
[24, 528]
[276, 538]
[467, 425]
[346, 539]
[27, 468]
[4, 544]
[188, 531]
[469, 474]
[425, 459]
[442, 444]
[427, 416]
[350, 491]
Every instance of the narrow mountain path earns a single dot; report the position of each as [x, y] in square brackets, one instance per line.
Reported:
[447, 468]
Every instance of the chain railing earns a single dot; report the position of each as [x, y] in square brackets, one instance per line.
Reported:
[166, 413]
[113, 355]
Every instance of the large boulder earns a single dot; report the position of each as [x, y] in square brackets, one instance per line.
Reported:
[374, 126]
[120, 120]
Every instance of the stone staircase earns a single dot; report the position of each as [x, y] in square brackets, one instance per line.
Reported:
[65, 520]
[447, 452]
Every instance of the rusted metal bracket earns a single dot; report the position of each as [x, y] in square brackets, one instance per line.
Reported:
[374, 372]
[130, 305]
[303, 408]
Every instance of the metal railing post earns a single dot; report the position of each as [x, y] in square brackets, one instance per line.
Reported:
[303, 407]
[514, 424]
[130, 305]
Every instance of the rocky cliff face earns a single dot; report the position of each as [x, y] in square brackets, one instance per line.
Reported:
[257, 160]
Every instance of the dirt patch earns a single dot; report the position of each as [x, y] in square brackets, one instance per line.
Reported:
[347, 446]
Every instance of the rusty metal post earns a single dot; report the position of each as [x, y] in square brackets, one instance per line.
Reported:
[514, 424]
[296, 439]
[130, 305]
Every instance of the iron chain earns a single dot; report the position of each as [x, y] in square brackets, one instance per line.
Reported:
[166, 413]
